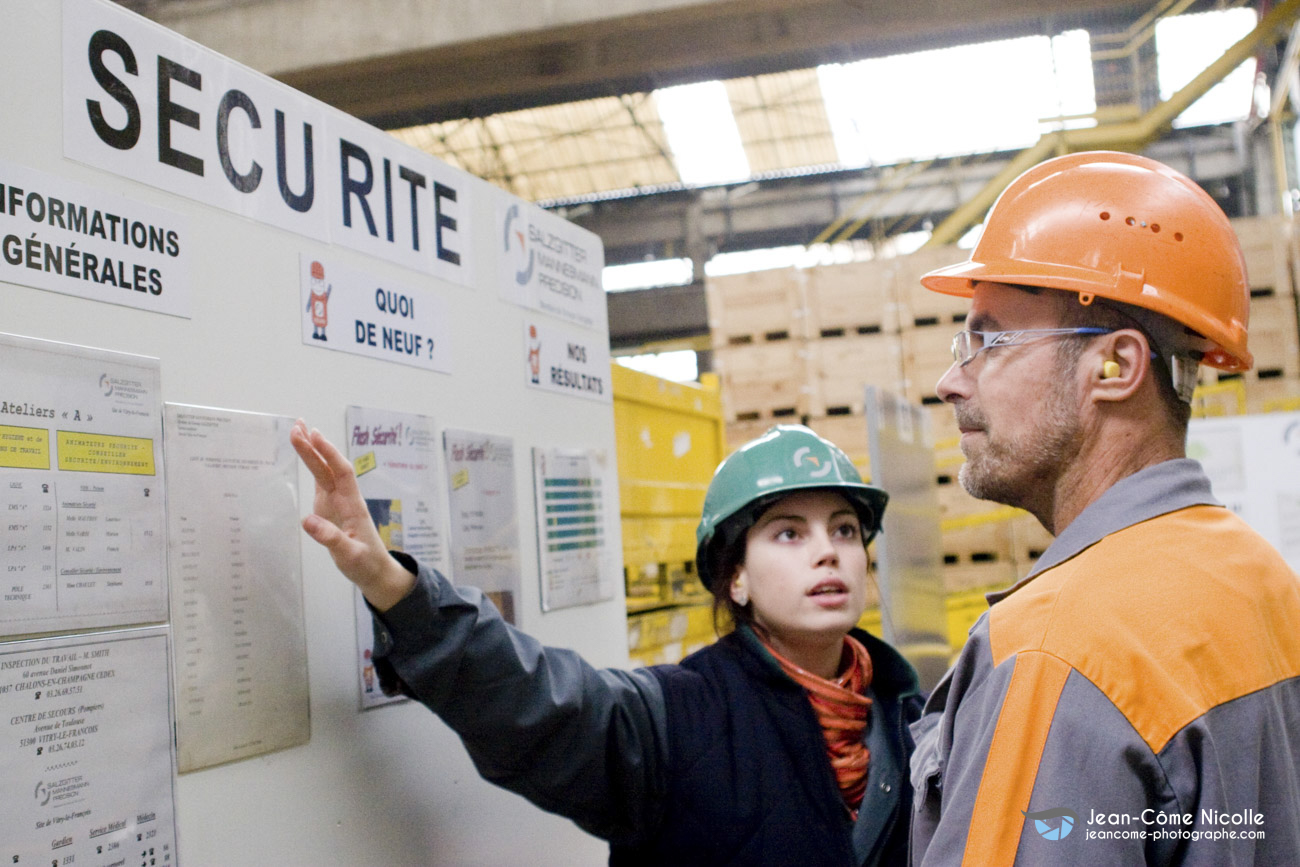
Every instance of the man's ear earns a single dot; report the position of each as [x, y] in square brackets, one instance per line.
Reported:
[1123, 361]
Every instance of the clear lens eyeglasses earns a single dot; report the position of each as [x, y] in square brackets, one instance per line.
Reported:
[968, 344]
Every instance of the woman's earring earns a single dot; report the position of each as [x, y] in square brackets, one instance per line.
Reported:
[740, 597]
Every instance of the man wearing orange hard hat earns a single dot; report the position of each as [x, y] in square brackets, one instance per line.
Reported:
[1136, 698]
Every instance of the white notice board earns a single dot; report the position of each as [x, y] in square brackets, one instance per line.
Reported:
[123, 113]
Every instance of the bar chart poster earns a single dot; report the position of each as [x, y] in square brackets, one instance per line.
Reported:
[573, 516]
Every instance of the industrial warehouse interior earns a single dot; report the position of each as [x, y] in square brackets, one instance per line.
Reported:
[745, 197]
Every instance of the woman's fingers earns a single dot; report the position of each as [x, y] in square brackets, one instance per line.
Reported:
[301, 441]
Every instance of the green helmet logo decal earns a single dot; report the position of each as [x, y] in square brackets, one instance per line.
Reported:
[804, 453]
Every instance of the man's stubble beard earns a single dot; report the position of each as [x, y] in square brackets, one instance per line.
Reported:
[1015, 471]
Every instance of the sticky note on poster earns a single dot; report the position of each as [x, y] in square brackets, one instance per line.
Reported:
[364, 464]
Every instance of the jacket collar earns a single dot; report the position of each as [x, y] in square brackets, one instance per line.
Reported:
[1156, 490]
[892, 675]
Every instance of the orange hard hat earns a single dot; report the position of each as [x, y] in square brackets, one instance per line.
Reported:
[1123, 227]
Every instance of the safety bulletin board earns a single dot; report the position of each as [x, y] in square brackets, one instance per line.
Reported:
[191, 256]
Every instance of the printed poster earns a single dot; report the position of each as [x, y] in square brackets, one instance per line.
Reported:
[237, 612]
[87, 764]
[81, 488]
[395, 456]
[351, 311]
[481, 511]
[573, 516]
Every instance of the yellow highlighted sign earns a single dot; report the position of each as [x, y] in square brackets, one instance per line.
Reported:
[101, 453]
[24, 448]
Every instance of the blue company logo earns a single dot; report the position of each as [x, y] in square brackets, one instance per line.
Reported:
[522, 275]
[1044, 827]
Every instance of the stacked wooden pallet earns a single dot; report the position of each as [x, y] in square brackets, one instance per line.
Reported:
[1272, 250]
[801, 345]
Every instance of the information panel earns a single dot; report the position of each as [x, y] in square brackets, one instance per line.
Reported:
[481, 510]
[573, 518]
[81, 488]
[396, 460]
[233, 541]
[88, 766]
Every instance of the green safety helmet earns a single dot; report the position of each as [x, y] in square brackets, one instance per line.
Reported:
[787, 458]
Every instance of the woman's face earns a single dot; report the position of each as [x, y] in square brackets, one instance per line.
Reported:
[804, 572]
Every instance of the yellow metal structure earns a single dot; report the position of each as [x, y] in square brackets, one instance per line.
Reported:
[1129, 135]
[670, 437]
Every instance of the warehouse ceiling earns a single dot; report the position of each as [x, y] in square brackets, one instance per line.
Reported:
[558, 109]
[555, 101]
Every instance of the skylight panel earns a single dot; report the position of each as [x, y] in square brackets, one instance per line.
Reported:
[702, 133]
[962, 100]
[647, 275]
[1186, 45]
[678, 365]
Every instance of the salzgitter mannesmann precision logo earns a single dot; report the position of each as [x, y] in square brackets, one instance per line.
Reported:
[524, 274]
[1053, 832]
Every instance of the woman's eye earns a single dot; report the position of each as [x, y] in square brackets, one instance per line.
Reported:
[786, 535]
[847, 531]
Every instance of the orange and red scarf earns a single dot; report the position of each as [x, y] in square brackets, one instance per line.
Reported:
[842, 710]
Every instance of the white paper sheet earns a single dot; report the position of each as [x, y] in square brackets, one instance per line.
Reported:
[81, 488]
[396, 460]
[87, 770]
[572, 527]
[236, 571]
[481, 510]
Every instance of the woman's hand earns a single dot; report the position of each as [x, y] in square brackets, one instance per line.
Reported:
[341, 522]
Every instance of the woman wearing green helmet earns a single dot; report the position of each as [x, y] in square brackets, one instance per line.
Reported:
[783, 743]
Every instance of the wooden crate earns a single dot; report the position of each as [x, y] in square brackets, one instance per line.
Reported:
[741, 432]
[856, 298]
[982, 577]
[988, 542]
[1030, 540]
[763, 380]
[944, 433]
[1268, 245]
[756, 307]
[918, 306]
[1274, 337]
[955, 504]
[1273, 395]
[927, 355]
[849, 432]
[840, 368]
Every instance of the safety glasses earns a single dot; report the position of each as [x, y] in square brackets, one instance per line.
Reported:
[968, 344]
